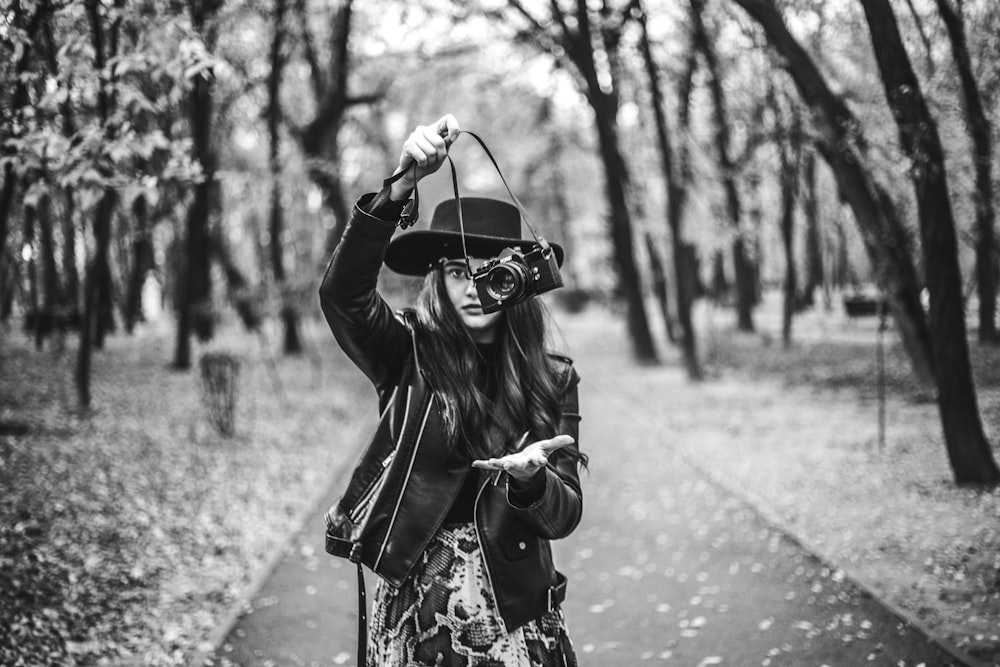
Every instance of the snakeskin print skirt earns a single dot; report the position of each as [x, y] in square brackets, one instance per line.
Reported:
[446, 616]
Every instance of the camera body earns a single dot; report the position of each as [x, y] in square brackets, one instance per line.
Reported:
[514, 276]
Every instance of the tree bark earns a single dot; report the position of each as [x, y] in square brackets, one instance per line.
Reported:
[813, 270]
[52, 295]
[102, 283]
[289, 314]
[658, 278]
[6, 202]
[141, 261]
[97, 272]
[841, 142]
[31, 267]
[968, 451]
[605, 106]
[676, 192]
[789, 140]
[238, 287]
[982, 156]
[742, 266]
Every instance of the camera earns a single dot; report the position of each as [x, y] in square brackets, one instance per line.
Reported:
[513, 276]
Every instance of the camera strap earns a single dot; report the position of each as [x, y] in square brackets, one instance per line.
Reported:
[411, 213]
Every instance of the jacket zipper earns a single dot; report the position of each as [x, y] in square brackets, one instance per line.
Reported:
[482, 549]
[406, 480]
[369, 491]
[372, 488]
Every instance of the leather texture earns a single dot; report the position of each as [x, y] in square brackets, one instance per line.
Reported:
[407, 479]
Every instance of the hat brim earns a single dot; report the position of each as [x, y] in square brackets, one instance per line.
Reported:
[416, 252]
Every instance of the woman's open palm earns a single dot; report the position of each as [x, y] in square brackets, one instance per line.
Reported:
[526, 462]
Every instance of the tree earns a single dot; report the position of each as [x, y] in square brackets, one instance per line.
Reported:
[13, 127]
[319, 137]
[194, 311]
[676, 186]
[97, 300]
[742, 266]
[576, 35]
[840, 140]
[289, 315]
[980, 133]
[788, 137]
[815, 275]
[968, 451]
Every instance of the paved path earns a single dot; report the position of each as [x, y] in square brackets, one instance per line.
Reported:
[666, 568]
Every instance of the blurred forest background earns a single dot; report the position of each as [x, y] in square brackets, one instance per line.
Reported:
[189, 165]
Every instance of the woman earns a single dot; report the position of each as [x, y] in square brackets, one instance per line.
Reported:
[474, 465]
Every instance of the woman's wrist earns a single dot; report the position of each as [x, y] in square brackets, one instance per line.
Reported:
[400, 190]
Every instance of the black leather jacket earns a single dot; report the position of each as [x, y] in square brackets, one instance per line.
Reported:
[406, 506]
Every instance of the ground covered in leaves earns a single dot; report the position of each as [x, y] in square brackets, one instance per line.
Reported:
[796, 432]
[127, 533]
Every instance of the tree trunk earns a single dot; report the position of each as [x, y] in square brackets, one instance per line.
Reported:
[789, 146]
[70, 296]
[70, 272]
[742, 266]
[238, 287]
[19, 100]
[141, 261]
[103, 282]
[659, 285]
[194, 308]
[616, 179]
[675, 192]
[34, 319]
[573, 37]
[968, 451]
[98, 270]
[289, 315]
[52, 297]
[982, 157]
[6, 202]
[842, 264]
[841, 143]
[85, 348]
[814, 273]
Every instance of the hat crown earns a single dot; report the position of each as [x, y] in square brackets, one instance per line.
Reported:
[480, 216]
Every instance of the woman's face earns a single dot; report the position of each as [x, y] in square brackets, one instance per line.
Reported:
[463, 296]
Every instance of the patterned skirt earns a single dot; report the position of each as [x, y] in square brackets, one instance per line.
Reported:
[445, 616]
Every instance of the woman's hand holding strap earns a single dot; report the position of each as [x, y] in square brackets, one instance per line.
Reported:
[423, 153]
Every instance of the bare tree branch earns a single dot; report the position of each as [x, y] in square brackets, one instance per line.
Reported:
[316, 75]
[928, 58]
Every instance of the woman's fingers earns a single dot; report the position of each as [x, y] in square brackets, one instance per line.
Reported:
[427, 147]
[529, 460]
[554, 444]
[430, 143]
[448, 128]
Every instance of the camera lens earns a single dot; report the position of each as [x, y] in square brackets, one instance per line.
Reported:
[505, 281]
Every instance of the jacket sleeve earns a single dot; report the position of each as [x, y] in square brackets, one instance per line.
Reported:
[363, 324]
[555, 513]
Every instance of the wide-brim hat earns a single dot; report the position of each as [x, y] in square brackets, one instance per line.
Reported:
[490, 226]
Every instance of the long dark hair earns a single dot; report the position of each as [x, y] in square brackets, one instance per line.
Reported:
[527, 384]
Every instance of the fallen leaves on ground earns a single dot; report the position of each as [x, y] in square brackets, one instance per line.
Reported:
[126, 534]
